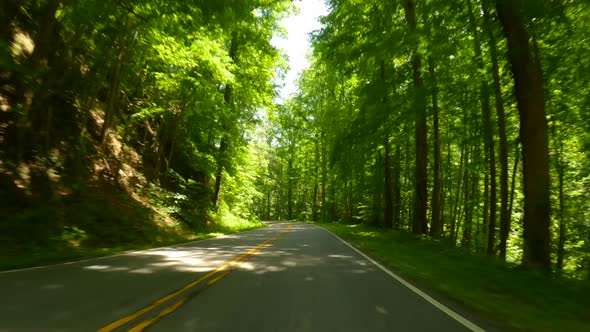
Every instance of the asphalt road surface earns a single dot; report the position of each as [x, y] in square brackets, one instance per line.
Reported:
[285, 277]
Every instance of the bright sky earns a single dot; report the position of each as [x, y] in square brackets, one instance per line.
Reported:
[296, 45]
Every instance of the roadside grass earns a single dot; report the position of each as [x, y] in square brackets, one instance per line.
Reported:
[39, 255]
[100, 225]
[516, 299]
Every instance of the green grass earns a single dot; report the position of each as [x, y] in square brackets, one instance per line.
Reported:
[51, 255]
[99, 225]
[513, 298]
[40, 255]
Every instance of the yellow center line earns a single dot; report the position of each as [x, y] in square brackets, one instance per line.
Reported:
[238, 264]
[129, 318]
[153, 320]
[142, 326]
[145, 324]
[216, 279]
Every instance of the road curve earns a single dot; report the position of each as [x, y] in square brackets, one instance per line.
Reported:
[285, 277]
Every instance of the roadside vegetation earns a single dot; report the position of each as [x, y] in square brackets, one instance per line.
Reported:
[512, 297]
[462, 121]
[455, 136]
[101, 223]
[128, 124]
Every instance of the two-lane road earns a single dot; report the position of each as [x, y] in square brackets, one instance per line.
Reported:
[286, 277]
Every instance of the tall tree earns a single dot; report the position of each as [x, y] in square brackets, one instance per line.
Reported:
[488, 132]
[503, 140]
[528, 82]
[420, 223]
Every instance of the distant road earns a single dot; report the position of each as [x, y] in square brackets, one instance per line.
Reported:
[286, 277]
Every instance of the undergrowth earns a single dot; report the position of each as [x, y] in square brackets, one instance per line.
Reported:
[103, 221]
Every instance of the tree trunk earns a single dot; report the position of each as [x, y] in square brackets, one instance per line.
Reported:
[397, 187]
[36, 110]
[488, 132]
[504, 215]
[324, 211]
[388, 212]
[468, 203]
[528, 79]
[350, 202]
[268, 205]
[448, 199]
[455, 208]
[562, 226]
[420, 225]
[408, 200]
[223, 146]
[109, 113]
[43, 39]
[314, 208]
[377, 207]
[560, 167]
[469, 215]
[486, 208]
[219, 173]
[388, 215]
[279, 191]
[163, 132]
[333, 212]
[513, 181]
[489, 146]
[290, 181]
[9, 11]
[435, 224]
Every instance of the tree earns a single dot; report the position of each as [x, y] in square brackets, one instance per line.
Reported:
[362, 102]
[528, 79]
[420, 225]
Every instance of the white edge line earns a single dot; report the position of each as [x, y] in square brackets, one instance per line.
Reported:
[125, 253]
[468, 324]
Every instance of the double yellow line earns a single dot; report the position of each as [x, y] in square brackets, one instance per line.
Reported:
[219, 273]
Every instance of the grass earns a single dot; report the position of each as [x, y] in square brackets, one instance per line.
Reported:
[99, 224]
[516, 299]
[51, 255]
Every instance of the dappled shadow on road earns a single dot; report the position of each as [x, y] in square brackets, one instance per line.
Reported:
[205, 257]
[208, 255]
[69, 296]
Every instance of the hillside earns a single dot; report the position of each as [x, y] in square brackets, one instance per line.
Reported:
[127, 124]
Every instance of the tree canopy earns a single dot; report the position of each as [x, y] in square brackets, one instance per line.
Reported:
[133, 94]
[461, 121]
[464, 120]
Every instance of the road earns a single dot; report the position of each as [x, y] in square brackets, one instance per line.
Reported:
[285, 277]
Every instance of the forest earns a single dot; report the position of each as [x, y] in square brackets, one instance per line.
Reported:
[127, 123]
[464, 122]
[449, 139]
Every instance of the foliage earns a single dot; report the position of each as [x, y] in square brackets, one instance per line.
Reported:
[345, 147]
[151, 99]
